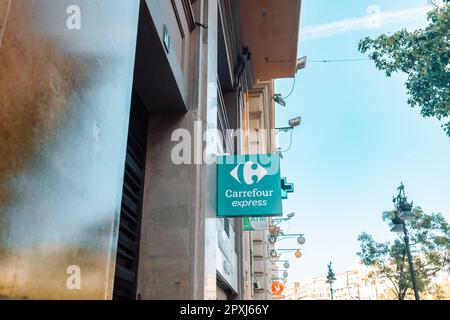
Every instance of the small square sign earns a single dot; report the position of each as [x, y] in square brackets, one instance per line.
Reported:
[166, 39]
[249, 185]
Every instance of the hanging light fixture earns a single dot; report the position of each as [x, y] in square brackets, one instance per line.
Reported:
[301, 239]
[398, 225]
[279, 99]
[407, 216]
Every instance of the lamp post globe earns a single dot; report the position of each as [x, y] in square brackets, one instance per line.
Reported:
[397, 228]
[407, 216]
[398, 225]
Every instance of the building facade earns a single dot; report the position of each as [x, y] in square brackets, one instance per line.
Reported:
[107, 184]
[358, 282]
[260, 119]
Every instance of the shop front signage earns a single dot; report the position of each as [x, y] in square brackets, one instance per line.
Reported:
[249, 186]
[255, 223]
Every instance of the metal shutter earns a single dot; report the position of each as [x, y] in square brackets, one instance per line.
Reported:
[125, 279]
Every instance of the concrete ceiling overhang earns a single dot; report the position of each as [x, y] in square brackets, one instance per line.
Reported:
[270, 30]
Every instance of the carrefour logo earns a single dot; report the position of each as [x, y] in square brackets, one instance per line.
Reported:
[248, 185]
[248, 172]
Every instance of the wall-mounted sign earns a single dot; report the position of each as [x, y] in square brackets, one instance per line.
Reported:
[249, 185]
[166, 39]
[277, 287]
[255, 223]
[286, 188]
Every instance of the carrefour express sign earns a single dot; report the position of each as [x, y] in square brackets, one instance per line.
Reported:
[248, 185]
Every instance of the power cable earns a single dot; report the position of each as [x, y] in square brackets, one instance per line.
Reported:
[292, 89]
[324, 61]
[340, 60]
[290, 143]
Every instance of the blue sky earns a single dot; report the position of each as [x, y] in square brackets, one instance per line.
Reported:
[358, 138]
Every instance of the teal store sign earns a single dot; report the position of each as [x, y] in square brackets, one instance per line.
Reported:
[249, 185]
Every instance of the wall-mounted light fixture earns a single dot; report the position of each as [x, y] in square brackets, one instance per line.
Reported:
[276, 221]
[301, 63]
[279, 99]
[295, 122]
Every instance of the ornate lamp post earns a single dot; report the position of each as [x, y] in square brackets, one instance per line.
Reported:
[330, 279]
[403, 213]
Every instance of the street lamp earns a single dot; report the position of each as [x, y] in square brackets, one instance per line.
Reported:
[330, 279]
[274, 238]
[292, 123]
[274, 253]
[285, 272]
[277, 221]
[398, 225]
[301, 63]
[295, 122]
[286, 264]
[403, 213]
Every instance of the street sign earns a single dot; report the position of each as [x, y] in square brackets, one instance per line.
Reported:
[249, 186]
[255, 223]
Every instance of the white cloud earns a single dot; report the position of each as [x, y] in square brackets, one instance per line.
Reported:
[373, 20]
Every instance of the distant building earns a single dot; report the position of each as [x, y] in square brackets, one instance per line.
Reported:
[356, 283]
[359, 282]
